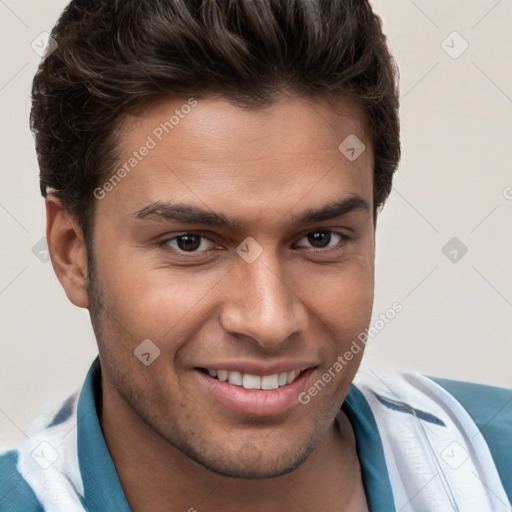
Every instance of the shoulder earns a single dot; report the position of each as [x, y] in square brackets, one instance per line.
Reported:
[490, 407]
[422, 419]
[16, 495]
[41, 470]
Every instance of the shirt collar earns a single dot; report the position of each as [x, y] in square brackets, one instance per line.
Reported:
[102, 488]
[370, 451]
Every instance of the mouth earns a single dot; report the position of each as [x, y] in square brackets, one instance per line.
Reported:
[252, 394]
[248, 381]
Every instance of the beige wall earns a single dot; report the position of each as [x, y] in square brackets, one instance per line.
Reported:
[452, 182]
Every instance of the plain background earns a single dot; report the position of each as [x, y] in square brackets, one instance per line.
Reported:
[454, 180]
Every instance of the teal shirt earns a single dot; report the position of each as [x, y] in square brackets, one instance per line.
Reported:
[490, 407]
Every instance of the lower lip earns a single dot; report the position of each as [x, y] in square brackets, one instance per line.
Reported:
[254, 401]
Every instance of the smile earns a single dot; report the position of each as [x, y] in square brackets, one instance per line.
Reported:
[249, 381]
[248, 393]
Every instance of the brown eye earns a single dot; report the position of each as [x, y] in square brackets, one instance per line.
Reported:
[322, 239]
[319, 238]
[188, 242]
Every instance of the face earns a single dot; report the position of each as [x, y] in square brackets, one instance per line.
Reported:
[240, 243]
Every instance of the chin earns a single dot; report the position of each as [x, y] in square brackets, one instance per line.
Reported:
[249, 462]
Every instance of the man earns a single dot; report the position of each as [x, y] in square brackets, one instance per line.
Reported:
[212, 173]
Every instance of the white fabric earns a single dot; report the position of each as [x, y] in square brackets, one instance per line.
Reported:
[432, 468]
[48, 461]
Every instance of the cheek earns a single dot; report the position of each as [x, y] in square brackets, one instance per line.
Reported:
[341, 296]
[357, 293]
[154, 302]
[359, 283]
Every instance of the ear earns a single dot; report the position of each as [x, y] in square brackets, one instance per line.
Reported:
[67, 251]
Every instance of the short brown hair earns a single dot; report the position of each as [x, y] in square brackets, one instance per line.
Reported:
[114, 57]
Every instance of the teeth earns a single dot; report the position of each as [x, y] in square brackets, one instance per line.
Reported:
[254, 381]
[270, 381]
[251, 382]
[235, 378]
[291, 376]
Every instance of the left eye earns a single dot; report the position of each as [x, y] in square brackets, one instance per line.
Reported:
[321, 239]
[188, 242]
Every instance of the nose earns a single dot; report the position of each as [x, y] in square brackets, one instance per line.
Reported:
[261, 302]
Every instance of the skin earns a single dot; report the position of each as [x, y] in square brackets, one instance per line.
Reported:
[176, 447]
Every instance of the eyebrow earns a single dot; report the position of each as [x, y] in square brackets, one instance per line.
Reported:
[188, 214]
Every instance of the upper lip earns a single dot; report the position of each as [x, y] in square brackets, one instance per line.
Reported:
[259, 368]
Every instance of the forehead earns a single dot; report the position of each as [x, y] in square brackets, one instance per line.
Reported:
[211, 152]
[290, 124]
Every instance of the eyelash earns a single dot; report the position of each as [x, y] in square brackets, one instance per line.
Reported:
[344, 239]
